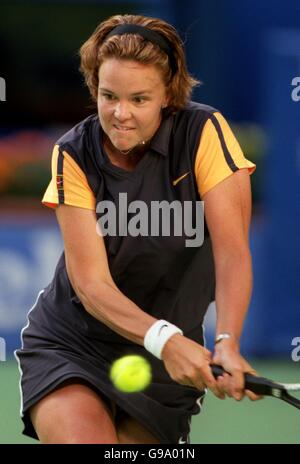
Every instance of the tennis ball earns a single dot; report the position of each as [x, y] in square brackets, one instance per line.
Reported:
[131, 373]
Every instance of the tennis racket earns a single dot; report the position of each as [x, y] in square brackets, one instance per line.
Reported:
[266, 387]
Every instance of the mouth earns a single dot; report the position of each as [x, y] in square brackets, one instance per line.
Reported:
[122, 128]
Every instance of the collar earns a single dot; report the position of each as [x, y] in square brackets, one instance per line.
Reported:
[160, 141]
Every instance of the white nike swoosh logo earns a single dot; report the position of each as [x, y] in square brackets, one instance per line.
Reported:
[165, 325]
[181, 441]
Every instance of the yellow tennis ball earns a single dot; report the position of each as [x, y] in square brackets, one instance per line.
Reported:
[131, 373]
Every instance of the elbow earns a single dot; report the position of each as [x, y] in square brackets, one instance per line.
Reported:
[236, 257]
[235, 269]
[88, 288]
[91, 292]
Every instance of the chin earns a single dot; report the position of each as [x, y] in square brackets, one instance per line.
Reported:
[123, 145]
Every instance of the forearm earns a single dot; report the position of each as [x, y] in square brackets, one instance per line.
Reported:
[109, 305]
[233, 291]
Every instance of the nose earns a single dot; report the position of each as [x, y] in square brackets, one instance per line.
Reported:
[122, 111]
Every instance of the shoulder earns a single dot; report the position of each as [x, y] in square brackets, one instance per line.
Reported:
[200, 108]
[81, 141]
[194, 115]
[80, 132]
[191, 120]
[196, 110]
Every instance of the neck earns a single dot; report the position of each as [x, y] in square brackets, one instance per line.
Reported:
[133, 149]
[138, 149]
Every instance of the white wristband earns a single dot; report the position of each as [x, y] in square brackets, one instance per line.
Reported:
[158, 335]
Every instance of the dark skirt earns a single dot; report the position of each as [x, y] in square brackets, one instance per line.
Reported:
[55, 350]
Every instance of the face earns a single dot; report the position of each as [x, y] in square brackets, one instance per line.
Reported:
[130, 98]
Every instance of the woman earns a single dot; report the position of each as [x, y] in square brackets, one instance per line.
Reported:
[123, 285]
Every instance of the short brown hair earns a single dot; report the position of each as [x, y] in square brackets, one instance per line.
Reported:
[133, 47]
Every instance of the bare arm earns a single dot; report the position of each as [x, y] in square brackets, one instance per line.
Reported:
[228, 210]
[88, 271]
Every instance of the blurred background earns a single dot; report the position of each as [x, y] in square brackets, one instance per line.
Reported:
[247, 55]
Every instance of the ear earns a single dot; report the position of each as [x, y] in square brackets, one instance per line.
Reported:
[165, 103]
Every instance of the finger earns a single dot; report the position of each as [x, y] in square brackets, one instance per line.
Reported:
[192, 379]
[237, 384]
[221, 386]
[225, 379]
[211, 382]
[199, 384]
[252, 396]
[189, 383]
[207, 354]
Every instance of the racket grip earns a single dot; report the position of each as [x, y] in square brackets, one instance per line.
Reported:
[258, 385]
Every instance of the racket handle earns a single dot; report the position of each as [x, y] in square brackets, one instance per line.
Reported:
[258, 385]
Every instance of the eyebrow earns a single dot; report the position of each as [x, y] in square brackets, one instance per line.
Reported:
[133, 94]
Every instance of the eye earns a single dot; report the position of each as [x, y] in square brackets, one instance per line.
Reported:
[107, 96]
[139, 99]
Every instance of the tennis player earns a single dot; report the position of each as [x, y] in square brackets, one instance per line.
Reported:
[123, 285]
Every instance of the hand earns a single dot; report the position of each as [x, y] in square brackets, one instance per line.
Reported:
[188, 363]
[228, 356]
